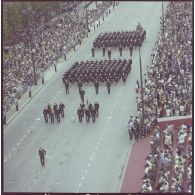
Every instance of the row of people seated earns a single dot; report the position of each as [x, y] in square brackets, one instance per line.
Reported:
[168, 166]
[102, 70]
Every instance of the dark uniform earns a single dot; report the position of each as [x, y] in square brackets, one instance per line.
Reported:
[120, 50]
[82, 105]
[67, 86]
[42, 153]
[109, 54]
[93, 114]
[104, 50]
[80, 114]
[96, 84]
[92, 50]
[87, 114]
[82, 94]
[62, 106]
[52, 116]
[131, 49]
[58, 115]
[96, 106]
[108, 84]
[45, 115]
[80, 85]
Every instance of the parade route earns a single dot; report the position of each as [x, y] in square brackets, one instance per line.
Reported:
[81, 157]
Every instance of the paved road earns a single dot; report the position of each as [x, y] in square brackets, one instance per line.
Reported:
[80, 157]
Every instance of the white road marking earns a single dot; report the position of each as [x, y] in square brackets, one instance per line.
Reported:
[24, 136]
[14, 149]
[88, 164]
[21, 140]
[31, 126]
[86, 171]
[28, 131]
[57, 183]
[83, 178]
[38, 119]
[18, 143]
[91, 158]
[102, 133]
[79, 185]
[5, 160]
[94, 153]
[9, 182]
[96, 148]
[100, 138]
[10, 155]
[98, 143]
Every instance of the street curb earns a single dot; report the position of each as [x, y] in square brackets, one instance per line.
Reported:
[23, 105]
[126, 164]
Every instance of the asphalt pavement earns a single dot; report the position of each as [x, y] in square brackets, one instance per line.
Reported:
[80, 157]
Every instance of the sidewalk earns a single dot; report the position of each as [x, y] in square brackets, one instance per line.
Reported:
[48, 74]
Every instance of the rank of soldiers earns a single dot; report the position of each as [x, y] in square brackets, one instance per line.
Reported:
[123, 39]
[101, 71]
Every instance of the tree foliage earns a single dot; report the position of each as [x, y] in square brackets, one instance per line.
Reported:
[16, 15]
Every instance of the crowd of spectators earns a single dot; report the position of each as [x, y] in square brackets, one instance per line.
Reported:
[168, 82]
[43, 41]
[169, 166]
[168, 92]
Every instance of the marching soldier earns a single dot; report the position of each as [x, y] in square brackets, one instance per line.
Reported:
[82, 105]
[52, 115]
[62, 106]
[108, 84]
[79, 113]
[93, 114]
[104, 50]
[120, 50]
[131, 49]
[82, 94]
[80, 85]
[42, 154]
[67, 86]
[55, 66]
[109, 53]
[87, 114]
[96, 106]
[92, 50]
[45, 115]
[57, 113]
[96, 84]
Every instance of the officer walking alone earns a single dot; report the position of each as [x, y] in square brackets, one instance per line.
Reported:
[96, 84]
[92, 50]
[108, 84]
[67, 86]
[42, 154]
[120, 50]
